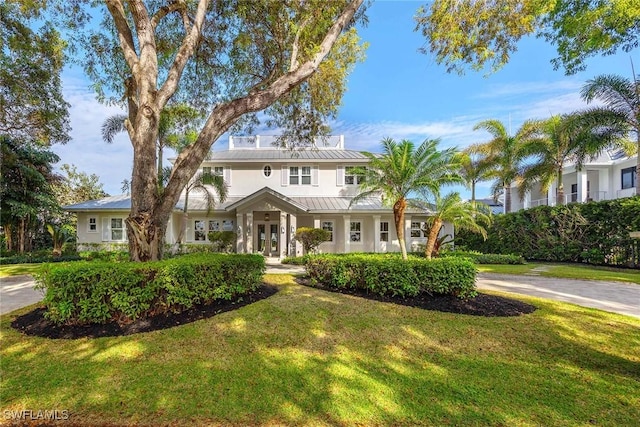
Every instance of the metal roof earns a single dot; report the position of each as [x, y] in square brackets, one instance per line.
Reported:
[254, 155]
[111, 203]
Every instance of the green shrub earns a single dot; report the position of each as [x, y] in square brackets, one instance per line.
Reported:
[311, 238]
[480, 258]
[295, 260]
[109, 256]
[99, 292]
[222, 241]
[388, 274]
[38, 257]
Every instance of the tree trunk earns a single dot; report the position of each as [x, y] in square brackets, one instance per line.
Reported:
[398, 216]
[638, 167]
[560, 190]
[433, 236]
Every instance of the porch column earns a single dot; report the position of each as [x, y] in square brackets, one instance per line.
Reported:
[239, 234]
[582, 186]
[283, 234]
[249, 232]
[295, 246]
[603, 185]
[347, 234]
[551, 195]
[407, 232]
[527, 200]
[376, 233]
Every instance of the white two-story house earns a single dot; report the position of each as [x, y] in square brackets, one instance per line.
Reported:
[612, 175]
[272, 192]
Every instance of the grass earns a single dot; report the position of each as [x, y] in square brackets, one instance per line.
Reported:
[17, 269]
[309, 357]
[568, 271]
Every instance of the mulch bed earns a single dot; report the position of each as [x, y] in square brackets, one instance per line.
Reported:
[34, 323]
[482, 305]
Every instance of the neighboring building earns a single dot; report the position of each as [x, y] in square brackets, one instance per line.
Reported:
[272, 192]
[610, 176]
[495, 205]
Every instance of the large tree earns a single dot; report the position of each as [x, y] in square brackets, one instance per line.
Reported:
[473, 33]
[505, 153]
[621, 98]
[403, 169]
[228, 58]
[31, 57]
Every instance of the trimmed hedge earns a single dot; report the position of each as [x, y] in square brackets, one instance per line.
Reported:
[594, 233]
[480, 258]
[101, 292]
[390, 275]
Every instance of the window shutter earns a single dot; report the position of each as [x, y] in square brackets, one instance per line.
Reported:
[340, 176]
[285, 176]
[226, 175]
[106, 232]
[315, 173]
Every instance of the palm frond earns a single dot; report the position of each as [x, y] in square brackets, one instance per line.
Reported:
[112, 126]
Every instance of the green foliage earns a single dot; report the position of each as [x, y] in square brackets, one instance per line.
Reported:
[311, 238]
[100, 292]
[480, 258]
[222, 241]
[391, 275]
[594, 233]
[296, 260]
[59, 236]
[475, 34]
[104, 255]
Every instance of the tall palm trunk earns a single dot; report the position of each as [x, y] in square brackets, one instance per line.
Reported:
[398, 215]
[433, 237]
[560, 190]
[507, 198]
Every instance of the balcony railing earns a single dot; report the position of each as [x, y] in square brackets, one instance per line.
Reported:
[332, 142]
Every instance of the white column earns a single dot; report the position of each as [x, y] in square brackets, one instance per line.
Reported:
[282, 240]
[257, 141]
[249, 232]
[239, 234]
[230, 142]
[603, 185]
[376, 233]
[551, 195]
[296, 247]
[582, 186]
[347, 234]
[527, 200]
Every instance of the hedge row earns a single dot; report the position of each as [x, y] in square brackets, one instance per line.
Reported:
[390, 275]
[480, 258]
[594, 233]
[100, 292]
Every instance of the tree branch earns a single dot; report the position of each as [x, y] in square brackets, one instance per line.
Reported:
[165, 10]
[124, 32]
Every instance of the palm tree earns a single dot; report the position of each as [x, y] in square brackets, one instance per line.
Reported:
[621, 97]
[402, 169]
[570, 137]
[505, 153]
[210, 186]
[474, 169]
[462, 214]
[176, 123]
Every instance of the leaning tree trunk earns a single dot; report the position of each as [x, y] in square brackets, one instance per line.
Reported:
[398, 215]
[433, 237]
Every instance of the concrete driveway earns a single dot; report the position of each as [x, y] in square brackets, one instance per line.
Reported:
[616, 297]
[17, 292]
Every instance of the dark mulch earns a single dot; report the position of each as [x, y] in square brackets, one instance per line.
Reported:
[482, 305]
[34, 323]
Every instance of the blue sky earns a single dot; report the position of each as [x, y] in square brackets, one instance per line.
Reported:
[397, 92]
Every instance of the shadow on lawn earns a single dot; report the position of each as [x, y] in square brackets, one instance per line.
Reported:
[306, 356]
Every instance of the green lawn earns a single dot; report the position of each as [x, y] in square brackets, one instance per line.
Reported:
[17, 269]
[306, 356]
[568, 271]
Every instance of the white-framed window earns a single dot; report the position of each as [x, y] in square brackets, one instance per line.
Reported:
[384, 231]
[199, 232]
[117, 229]
[267, 171]
[350, 178]
[92, 224]
[206, 170]
[214, 225]
[418, 229]
[628, 177]
[355, 231]
[300, 175]
[218, 170]
[227, 225]
[328, 226]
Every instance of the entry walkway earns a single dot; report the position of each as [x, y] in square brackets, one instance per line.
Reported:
[616, 297]
[17, 292]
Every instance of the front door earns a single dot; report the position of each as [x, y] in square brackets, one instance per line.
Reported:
[267, 238]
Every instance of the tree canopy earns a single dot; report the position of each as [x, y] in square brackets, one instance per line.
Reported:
[475, 34]
[31, 58]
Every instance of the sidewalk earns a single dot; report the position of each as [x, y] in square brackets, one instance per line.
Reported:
[17, 292]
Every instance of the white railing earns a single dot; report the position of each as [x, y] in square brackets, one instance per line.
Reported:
[331, 142]
[539, 202]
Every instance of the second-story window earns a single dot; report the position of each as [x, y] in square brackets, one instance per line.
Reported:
[350, 177]
[266, 171]
[300, 175]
